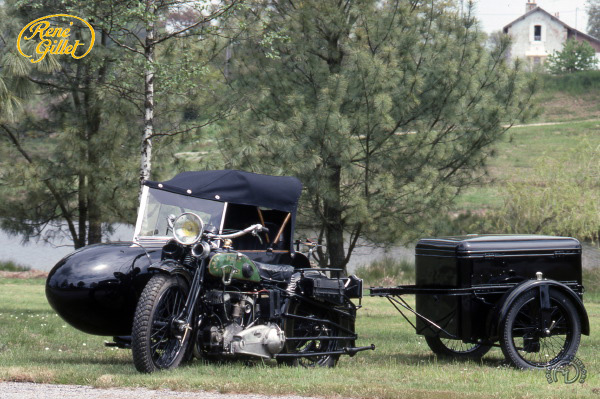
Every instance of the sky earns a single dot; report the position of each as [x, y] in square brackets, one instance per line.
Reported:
[495, 14]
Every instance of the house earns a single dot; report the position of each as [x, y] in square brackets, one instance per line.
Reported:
[538, 34]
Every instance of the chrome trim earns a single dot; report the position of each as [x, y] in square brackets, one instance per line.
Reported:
[141, 211]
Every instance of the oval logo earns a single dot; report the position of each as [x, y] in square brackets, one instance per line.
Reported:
[53, 39]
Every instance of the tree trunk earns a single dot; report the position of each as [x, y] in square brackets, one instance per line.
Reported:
[79, 240]
[146, 159]
[334, 229]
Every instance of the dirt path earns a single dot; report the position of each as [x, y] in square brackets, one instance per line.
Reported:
[20, 390]
[554, 123]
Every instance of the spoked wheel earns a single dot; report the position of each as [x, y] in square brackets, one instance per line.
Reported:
[529, 346]
[455, 348]
[159, 340]
[309, 327]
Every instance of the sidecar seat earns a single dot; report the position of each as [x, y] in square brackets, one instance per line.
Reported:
[279, 273]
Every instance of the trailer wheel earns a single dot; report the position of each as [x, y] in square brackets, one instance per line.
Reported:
[527, 345]
[455, 348]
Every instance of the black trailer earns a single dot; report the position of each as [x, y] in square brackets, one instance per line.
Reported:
[523, 291]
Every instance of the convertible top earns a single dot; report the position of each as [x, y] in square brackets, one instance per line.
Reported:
[235, 186]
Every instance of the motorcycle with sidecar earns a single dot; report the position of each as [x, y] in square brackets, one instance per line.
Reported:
[211, 272]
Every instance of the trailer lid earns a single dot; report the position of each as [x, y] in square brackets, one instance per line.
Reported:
[476, 244]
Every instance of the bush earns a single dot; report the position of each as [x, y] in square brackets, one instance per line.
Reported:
[10, 266]
[386, 272]
[575, 56]
[572, 83]
[559, 197]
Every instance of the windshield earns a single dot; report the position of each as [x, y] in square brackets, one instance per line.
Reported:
[158, 205]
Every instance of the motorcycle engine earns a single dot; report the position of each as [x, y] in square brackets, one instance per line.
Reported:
[234, 330]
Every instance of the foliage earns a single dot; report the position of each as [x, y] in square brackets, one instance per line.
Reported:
[558, 197]
[593, 10]
[384, 110]
[387, 272]
[76, 181]
[152, 32]
[576, 83]
[575, 56]
[73, 148]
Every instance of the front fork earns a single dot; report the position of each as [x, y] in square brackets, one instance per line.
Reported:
[185, 319]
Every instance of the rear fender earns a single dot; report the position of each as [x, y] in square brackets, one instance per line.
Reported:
[501, 311]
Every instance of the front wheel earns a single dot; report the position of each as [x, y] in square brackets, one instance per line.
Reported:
[456, 349]
[529, 345]
[159, 339]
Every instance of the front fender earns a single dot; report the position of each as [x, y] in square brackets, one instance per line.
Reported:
[499, 315]
[172, 267]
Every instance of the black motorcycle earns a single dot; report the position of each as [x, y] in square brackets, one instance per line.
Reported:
[212, 272]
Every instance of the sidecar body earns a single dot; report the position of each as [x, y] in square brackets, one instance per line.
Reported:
[96, 288]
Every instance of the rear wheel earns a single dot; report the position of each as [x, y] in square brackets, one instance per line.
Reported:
[528, 345]
[307, 325]
[455, 348]
[159, 340]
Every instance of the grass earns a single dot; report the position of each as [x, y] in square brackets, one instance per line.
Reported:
[518, 154]
[36, 345]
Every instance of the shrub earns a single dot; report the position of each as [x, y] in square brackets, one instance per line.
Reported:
[387, 271]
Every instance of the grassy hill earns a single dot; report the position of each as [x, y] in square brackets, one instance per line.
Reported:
[567, 126]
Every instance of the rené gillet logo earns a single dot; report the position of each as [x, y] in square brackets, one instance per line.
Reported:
[53, 40]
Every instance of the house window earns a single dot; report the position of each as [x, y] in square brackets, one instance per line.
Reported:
[537, 33]
[537, 61]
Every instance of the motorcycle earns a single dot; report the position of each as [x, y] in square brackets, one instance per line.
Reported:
[212, 272]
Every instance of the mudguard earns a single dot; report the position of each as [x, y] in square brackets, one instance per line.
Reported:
[499, 315]
[172, 267]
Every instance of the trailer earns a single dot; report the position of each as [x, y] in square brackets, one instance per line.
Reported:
[523, 293]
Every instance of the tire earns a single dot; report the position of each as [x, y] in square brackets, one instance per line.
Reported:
[527, 347]
[456, 349]
[157, 342]
[295, 328]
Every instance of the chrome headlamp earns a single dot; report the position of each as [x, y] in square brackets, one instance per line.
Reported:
[188, 228]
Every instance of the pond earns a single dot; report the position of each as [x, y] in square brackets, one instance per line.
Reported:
[41, 256]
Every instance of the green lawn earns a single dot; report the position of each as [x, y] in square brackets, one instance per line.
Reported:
[36, 345]
[521, 149]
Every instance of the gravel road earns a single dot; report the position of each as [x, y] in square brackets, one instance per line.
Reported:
[21, 390]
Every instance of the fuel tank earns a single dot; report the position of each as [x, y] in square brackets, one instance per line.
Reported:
[96, 288]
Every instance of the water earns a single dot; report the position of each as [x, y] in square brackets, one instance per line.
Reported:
[43, 256]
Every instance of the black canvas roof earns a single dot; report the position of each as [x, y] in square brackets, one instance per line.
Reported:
[235, 186]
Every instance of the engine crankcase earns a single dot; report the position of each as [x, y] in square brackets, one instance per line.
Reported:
[262, 341]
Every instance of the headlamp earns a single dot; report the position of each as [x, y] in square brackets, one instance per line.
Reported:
[188, 228]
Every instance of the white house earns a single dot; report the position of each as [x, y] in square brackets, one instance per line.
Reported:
[538, 34]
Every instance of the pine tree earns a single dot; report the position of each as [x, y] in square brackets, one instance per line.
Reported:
[384, 110]
[64, 173]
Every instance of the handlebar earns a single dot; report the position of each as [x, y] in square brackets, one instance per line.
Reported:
[254, 229]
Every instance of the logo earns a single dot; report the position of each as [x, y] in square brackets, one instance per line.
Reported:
[53, 38]
[569, 371]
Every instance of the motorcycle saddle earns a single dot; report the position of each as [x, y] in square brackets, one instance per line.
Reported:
[275, 272]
